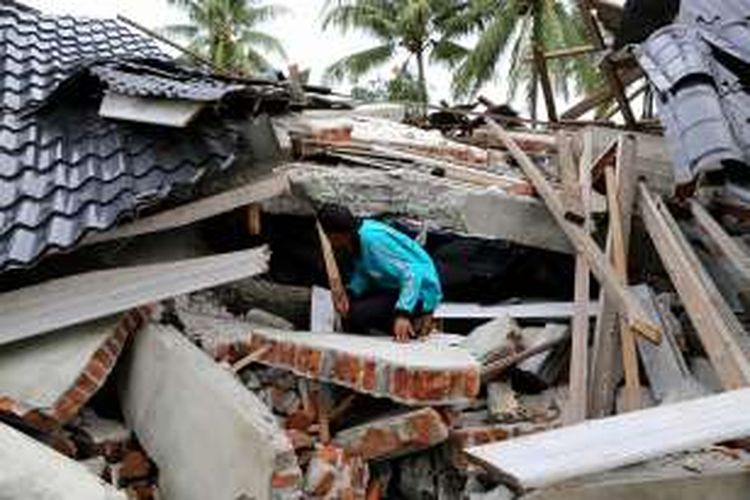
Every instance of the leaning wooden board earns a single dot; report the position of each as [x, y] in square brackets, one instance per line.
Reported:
[599, 445]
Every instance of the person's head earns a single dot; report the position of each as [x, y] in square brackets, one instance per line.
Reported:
[339, 225]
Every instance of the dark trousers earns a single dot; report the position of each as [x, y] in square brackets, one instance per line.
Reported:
[373, 313]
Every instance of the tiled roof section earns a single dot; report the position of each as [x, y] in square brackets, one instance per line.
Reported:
[165, 80]
[64, 170]
[37, 52]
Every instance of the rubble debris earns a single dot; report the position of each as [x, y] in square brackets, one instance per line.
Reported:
[617, 441]
[436, 371]
[32, 470]
[50, 306]
[334, 474]
[168, 390]
[393, 436]
[58, 373]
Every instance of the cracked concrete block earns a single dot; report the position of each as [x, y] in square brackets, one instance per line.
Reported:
[435, 371]
[32, 471]
[209, 435]
[394, 436]
[59, 372]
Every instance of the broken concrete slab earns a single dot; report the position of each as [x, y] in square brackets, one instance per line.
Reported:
[51, 306]
[451, 205]
[209, 436]
[58, 373]
[33, 471]
[499, 337]
[395, 435]
[435, 371]
[532, 310]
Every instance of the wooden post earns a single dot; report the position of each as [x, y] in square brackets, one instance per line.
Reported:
[254, 227]
[540, 64]
[619, 254]
[605, 359]
[578, 400]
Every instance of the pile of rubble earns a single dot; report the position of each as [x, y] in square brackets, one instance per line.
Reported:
[166, 329]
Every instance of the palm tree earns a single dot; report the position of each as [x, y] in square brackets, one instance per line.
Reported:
[226, 32]
[417, 27]
[512, 28]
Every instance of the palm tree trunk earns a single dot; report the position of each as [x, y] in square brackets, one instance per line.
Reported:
[421, 80]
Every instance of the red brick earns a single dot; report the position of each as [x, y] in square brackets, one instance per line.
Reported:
[135, 465]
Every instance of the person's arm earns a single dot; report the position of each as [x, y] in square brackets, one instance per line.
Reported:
[411, 285]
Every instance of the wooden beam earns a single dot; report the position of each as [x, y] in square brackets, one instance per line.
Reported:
[549, 96]
[555, 456]
[632, 400]
[605, 361]
[571, 187]
[198, 210]
[567, 52]
[578, 380]
[716, 326]
[618, 90]
[582, 242]
[735, 254]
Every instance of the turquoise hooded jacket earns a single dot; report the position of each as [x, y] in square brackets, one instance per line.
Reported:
[391, 260]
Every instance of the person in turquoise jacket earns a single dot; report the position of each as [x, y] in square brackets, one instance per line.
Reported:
[394, 286]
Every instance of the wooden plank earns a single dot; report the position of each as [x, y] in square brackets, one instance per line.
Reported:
[336, 284]
[578, 380]
[567, 52]
[571, 188]
[632, 394]
[582, 242]
[605, 362]
[68, 301]
[717, 329]
[599, 445]
[541, 310]
[735, 254]
[198, 210]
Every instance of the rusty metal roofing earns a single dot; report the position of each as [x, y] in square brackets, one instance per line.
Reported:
[64, 170]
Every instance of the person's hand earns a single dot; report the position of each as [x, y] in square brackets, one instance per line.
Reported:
[341, 304]
[402, 329]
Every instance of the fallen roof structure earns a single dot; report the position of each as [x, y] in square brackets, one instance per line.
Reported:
[66, 169]
[51, 306]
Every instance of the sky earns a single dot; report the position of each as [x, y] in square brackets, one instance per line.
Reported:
[300, 31]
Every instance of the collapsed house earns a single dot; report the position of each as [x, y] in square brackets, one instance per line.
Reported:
[166, 329]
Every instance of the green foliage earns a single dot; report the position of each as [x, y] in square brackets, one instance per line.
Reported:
[421, 28]
[225, 31]
[511, 28]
